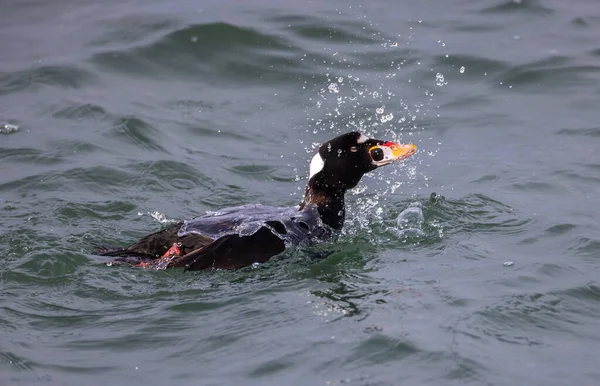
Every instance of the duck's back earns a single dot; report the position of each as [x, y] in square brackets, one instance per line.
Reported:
[291, 225]
[229, 238]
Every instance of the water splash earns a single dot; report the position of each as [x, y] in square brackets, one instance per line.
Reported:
[439, 80]
[333, 88]
[8, 128]
[353, 97]
[160, 217]
[410, 221]
[346, 102]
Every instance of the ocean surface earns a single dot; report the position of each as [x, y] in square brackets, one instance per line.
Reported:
[475, 262]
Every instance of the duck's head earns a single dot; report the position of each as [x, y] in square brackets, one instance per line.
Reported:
[341, 162]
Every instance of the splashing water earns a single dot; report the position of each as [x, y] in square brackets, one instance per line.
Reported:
[410, 221]
[160, 217]
[8, 128]
[355, 98]
[333, 88]
[439, 80]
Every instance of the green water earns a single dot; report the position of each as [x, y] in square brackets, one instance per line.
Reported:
[123, 116]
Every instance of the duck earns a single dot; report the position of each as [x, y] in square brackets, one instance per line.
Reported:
[236, 237]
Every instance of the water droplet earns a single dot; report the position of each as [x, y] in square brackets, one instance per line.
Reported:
[333, 88]
[380, 110]
[387, 118]
[439, 79]
[340, 79]
[194, 39]
[462, 70]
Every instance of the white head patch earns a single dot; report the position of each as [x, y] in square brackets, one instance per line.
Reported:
[362, 139]
[316, 165]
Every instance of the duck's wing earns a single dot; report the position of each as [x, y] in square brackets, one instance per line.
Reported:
[232, 251]
[156, 244]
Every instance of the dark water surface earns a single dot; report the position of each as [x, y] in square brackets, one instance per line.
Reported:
[118, 116]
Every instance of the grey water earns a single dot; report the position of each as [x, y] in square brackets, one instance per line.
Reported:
[475, 261]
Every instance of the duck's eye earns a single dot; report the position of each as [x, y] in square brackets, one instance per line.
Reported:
[354, 149]
[377, 154]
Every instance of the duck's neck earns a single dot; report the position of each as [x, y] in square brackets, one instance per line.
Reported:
[329, 201]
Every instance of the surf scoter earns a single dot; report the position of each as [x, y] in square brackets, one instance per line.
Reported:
[240, 236]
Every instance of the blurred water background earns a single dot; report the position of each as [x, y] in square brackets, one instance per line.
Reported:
[474, 262]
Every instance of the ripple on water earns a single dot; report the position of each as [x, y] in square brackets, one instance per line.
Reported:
[130, 29]
[167, 175]
[477, 66]
[79, 111]
[108, 210]
[524, 7]
[21, 363]
[582, 131]
[229, 36]
[587, 247]
[536, 187]
[60, 152]
[533, 322]
[577, 177]
[231, 51]
[95, 178]
[136, 131]
[318, 29]
[56, 75]
[378, 349]
[548, 74]
[28, 156]
[560, 229]
[255, 172]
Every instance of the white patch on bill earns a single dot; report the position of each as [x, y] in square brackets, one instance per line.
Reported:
[316, 165]
[362, 139]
